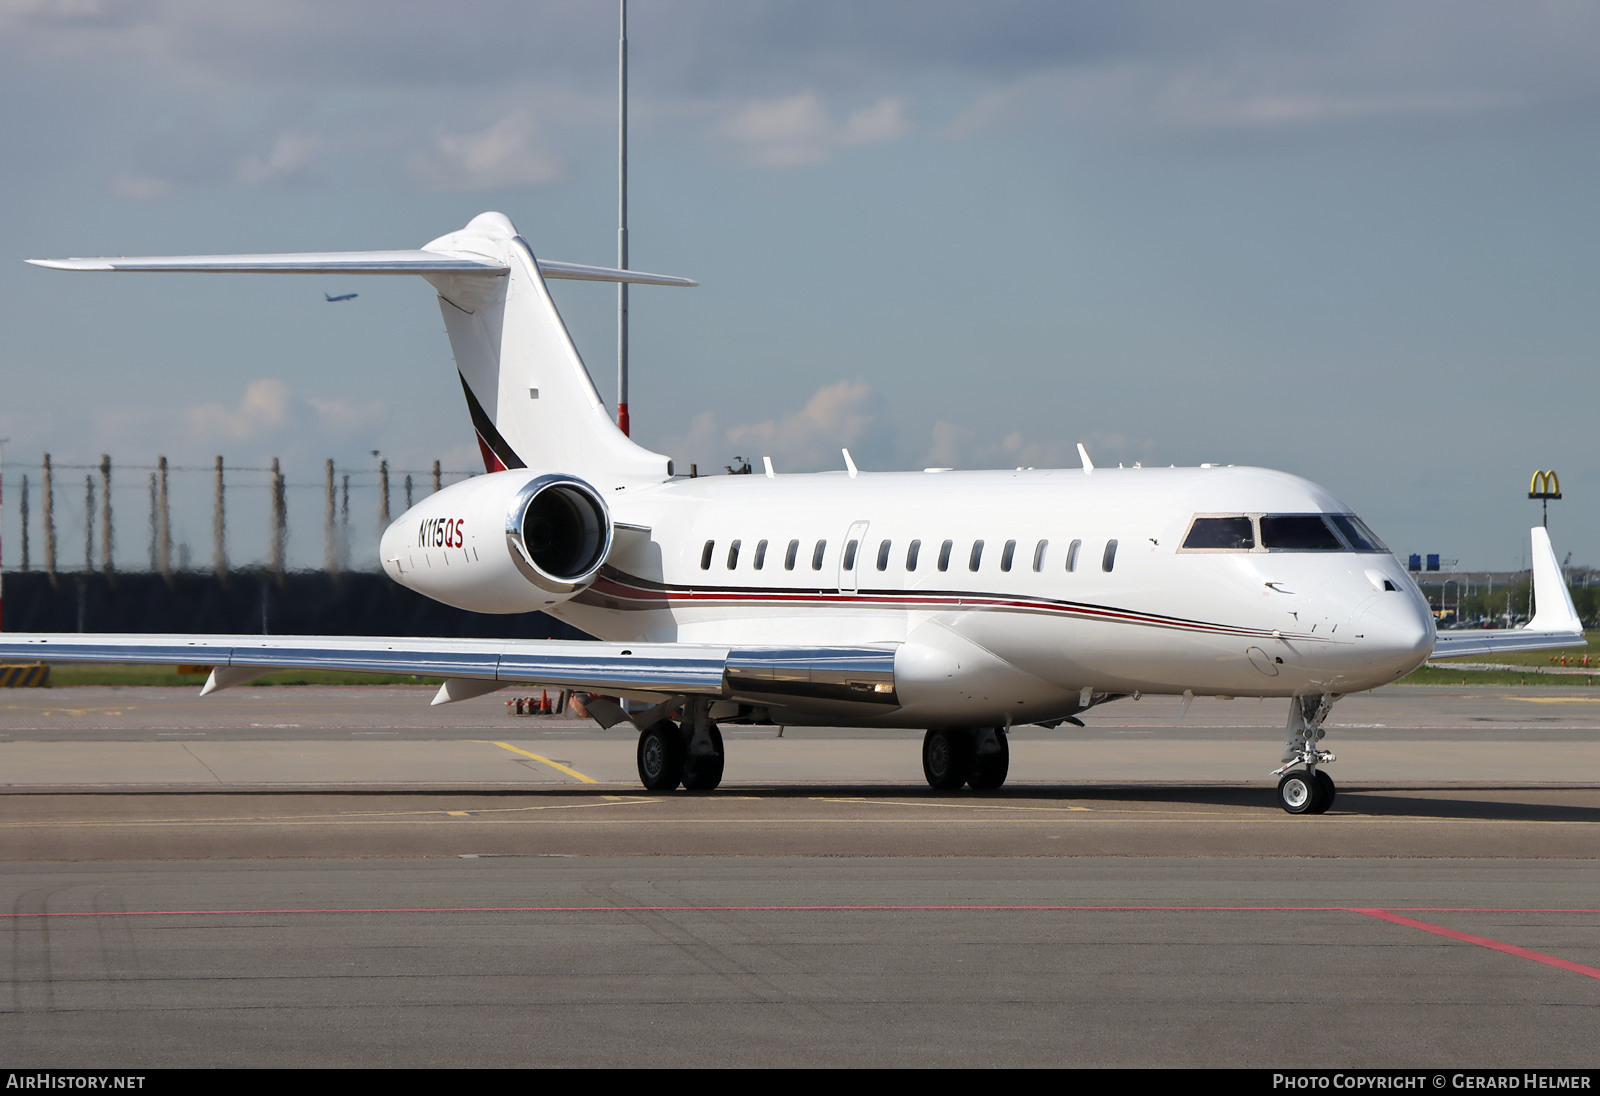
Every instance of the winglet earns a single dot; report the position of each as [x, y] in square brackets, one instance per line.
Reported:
[1553, 610]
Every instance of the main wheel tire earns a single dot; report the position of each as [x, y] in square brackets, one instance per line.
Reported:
[661, 756]
[989, 769]
[1298, 792]
[1325, 793]
[703, 772]
[947, 759]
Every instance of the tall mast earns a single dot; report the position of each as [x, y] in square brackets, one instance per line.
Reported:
[622, 220]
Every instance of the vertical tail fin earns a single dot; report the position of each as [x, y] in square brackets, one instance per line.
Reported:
[532, 401]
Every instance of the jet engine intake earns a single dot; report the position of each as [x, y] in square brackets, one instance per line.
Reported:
[507, 542]
[560, 528]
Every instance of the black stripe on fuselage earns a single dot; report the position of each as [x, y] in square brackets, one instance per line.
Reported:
[620, 591]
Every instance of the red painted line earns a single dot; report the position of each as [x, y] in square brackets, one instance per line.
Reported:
[1482, 942]
[864, 908]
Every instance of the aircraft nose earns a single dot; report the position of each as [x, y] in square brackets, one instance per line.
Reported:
[1397, 634]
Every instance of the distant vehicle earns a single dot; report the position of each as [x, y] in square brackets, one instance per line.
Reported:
[341, 297]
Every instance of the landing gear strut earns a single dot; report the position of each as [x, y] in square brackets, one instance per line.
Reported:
[1306, 790]
[691, 754]
[979, 758]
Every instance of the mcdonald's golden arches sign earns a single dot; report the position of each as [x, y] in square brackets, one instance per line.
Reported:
[1545, 485]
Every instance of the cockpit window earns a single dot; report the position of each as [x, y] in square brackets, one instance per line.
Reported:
[1298, 533]
[1355, 531]
[1280, 533]
[1230, 533]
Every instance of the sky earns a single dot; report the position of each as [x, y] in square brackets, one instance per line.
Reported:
[1354, 241]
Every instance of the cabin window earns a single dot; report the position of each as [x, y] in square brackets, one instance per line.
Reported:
[816, 555]
[1109, 560]
[1072, 555]
[913, 550]
[733, 555]
[705, 555]
[850, 555]
[1038, 554]
[1234, 533]
[1298, 533]
[883, 556]
[789, 556]
[1006, 553]
[761, 554]
[976, 557]
[944, 554]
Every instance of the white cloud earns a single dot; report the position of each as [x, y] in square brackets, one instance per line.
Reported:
[137, 188]
[838, 415]
[342, 417]
[510, 152]
[798, 130]
[845, 414]
[957, 446]
[851, 414]
[289, 154]
[265, 406]
[1261, 91]
[883, 121]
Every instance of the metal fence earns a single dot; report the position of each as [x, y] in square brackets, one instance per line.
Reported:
[106, 516]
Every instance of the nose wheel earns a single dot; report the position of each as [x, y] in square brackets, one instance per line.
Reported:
[1305, 791]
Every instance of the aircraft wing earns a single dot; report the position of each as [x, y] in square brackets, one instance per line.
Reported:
[1555, 620]
[473, 667]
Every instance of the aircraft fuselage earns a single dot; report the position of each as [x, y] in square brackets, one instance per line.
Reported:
[1006, 593]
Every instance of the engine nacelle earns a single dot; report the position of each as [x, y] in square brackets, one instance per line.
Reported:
[507, 542]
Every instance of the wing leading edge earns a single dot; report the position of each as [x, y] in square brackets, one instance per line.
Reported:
[472, 667]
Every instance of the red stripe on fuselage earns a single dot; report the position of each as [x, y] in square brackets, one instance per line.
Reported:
[646, 596]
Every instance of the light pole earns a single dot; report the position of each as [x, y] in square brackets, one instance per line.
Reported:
[622, 219]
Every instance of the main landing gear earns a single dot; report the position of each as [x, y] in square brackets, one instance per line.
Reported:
[691, 754]
[1306, 790]
[977, 758]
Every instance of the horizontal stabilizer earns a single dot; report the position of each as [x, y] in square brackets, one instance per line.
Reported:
[577, 272]
[352, 262]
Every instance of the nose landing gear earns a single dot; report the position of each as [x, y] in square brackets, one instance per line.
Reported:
[1306, 790]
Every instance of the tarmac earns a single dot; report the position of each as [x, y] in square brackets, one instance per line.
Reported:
[349, 877]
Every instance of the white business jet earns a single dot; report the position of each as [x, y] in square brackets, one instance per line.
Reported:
[957, 603]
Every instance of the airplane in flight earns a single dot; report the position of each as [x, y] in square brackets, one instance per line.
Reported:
[958, 603]
[331, 299]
